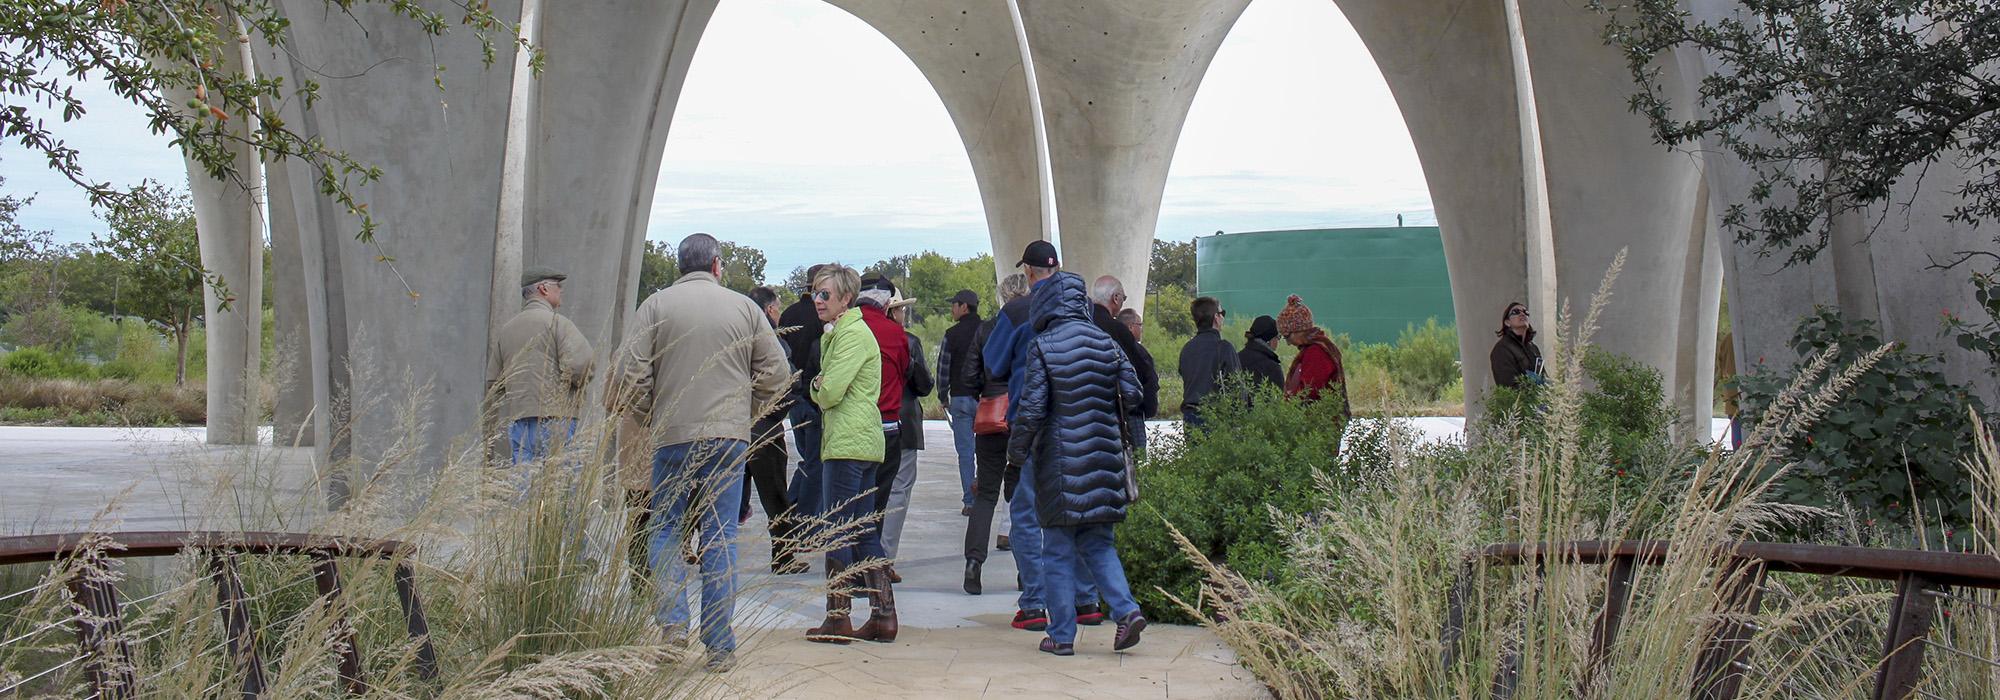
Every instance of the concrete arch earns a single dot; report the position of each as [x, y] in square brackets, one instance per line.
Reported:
[1444, 59]
[970, 54]
[1116, 80]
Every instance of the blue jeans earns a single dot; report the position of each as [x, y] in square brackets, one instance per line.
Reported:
[1029, 558]
[531, 438]
[962, 409]
[845, 480]
[1088, 549]
[702, 475]
[808, 489]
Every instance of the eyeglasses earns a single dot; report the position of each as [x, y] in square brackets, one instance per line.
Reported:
[1517, 312]
[822, 295]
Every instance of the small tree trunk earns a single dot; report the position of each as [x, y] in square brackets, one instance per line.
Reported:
[180, 355]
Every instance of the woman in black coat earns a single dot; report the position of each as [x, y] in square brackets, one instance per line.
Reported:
[1258, 358]
[1516, 360]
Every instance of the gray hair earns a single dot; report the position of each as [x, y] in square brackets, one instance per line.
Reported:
[1104, 288]
[528, 292]
[697, 253]
[1013, 286]
[1130, 316]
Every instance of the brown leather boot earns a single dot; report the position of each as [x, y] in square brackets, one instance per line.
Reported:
[838, 628]
[881, 625]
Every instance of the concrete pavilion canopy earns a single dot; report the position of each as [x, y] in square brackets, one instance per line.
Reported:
[1538, 173]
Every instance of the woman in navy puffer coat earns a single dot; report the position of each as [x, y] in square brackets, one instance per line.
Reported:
[1069, 417]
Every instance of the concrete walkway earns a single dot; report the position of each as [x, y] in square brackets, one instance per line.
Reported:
[952, 645]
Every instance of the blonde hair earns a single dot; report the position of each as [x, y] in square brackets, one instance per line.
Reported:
[846, 282]
[1013, 286]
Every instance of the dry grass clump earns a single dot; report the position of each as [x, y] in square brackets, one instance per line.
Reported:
[1367, 615]
[100, 402]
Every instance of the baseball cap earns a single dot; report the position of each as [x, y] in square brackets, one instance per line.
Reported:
[1039, 254]
[966, 297]
[539, 273]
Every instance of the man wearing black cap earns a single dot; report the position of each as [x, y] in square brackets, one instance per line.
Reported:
[962, 397]
[536, 367]
[1006, 357]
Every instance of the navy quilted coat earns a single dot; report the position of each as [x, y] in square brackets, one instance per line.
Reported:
[1068, 418]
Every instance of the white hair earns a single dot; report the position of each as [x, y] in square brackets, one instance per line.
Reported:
[1104, 288]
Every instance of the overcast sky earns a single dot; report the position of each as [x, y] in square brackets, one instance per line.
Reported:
[1293, 128]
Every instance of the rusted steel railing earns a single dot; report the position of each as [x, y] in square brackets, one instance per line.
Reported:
[1921, 579]
[99, 628]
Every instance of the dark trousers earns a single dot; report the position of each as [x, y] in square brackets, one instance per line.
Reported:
[990, 458]
[885, 480]
[766, 472]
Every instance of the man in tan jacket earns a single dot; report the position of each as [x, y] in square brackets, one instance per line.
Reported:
[536, 369]
[700, 365]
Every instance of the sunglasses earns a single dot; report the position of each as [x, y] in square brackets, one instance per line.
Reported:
[822, 295]
[1517, 312]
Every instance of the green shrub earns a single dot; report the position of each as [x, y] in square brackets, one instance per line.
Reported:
[1220, 487]
[40, 363]
[1896, 441]
[1424, 361]
[1624, 415]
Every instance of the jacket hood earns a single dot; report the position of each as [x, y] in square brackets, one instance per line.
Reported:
[1059, 298]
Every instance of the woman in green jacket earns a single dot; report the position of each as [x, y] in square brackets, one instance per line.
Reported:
[850, 377]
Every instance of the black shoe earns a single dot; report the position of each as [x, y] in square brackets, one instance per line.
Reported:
[1128, 631]
[1003, 545]
[972, 584]
[1050, 646]
[1089, 615]
[1034, 620]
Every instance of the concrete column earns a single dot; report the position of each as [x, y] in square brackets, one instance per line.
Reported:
[1444, 59]
[1612, 188]
[1116, 78]
[292, 407]
[971, 56]
[414, 326]
[601, 110]
[229, 218]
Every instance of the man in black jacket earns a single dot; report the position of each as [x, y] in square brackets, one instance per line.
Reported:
[800, 328]
[1205, 360]
[1107, 298]
[961, 396]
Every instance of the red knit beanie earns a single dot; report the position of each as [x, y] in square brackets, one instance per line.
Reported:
[1296, 318]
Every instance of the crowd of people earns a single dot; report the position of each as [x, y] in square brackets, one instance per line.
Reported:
[1047, 402]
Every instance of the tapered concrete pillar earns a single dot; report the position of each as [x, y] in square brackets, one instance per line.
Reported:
[229, 218]
[1116, 79]
[601, 109]
[1444, 59]
[1611, 187]
[402, 322]
[291, 367]
[971, 56]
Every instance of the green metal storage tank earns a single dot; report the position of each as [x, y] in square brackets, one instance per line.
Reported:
[1365, 282]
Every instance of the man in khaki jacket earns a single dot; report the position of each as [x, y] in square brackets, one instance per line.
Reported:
[700, 365]
[537, 367]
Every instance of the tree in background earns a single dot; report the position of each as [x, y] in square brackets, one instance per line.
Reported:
[896, 268]
[742, 268]
[153, 235]
[1173, 264]
[1840, 108]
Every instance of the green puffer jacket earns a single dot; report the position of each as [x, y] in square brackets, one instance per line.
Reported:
[850, 377]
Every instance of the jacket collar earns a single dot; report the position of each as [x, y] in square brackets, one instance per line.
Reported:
[538, 303]
[697, 276]
[1262, 348]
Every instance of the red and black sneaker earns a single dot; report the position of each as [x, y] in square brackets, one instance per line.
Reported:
[1032, 620]
[1089, 615]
